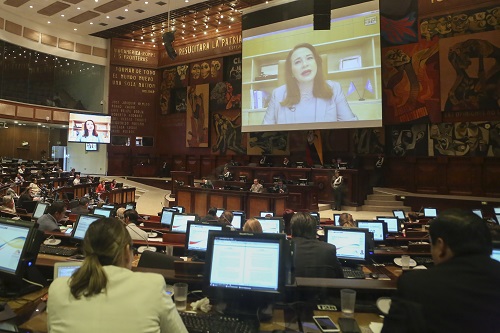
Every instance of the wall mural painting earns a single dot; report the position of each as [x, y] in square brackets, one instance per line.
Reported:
[411, 82]
[460, 23]
[223, 96]
[465, 139]
[167, 83]
[232, 68]
[408, 140]
[398, 22]
[470, 72]
[197, 116]
[368, 140]
[227, 138]
[268, 143]
[206, 71]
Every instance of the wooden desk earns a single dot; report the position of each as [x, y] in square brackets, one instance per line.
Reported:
[120, 196]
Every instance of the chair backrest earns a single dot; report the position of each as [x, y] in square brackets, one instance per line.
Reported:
[157, 260]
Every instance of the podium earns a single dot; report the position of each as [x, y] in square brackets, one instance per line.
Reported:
[185, 178]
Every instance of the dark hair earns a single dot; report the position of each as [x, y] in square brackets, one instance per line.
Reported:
[321, 89]
[463, 232]
[86, 130]
[56, 207]
[303, 225]
[346, 220]
[84, 201]
[226, 217]
[132, 215]
[212, 211]
[287, 217]
[103, 244]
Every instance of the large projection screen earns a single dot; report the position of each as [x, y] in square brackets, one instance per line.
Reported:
[350, 55]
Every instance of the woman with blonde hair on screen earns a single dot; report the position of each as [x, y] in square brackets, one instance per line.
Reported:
[306, 96]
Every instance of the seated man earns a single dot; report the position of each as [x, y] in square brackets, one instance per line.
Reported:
[312, 258]
[226, 218]
[256, 186]
[131, 219]
[55, 213]
[83, 206]
[211, 215]
[280, 187]
[76, 181]
[461, 292]
[206, 183]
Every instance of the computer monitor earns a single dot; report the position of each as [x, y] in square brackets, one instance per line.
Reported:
[102, 211]
[303, 181]
[66, 268]
[478, 212]
[400, 214]
[273, 225]
[180, 209]
[166, 217]
[40, 209]
[316, 216]
[495, 254]
[497, 217]
[19, 249]
[197, 236]
[266, 213]
[119, 185]
[130, 205]
[336, 219]
[430, 212]
[238, 219]
[219, 212]
[393, 225]
[82, 224]
[245, 266]
[377, 228]
[180, 221]
[353, 244]
[108, 206]
[243, 179]
[496, 210]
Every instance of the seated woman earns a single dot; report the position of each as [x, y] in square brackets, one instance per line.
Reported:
[101, 188]
[34, 189]
[346, 220]
[252, 225]
[106, 294]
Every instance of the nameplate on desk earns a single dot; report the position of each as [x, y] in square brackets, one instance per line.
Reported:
[155, 239]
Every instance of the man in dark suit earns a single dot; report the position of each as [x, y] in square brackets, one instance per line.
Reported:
[311, 257]
[461, 293]
[83, 206]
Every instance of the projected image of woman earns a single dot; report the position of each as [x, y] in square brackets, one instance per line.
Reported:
[90, 132]
[307, 97]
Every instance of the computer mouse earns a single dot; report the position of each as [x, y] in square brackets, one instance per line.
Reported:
[374, 276]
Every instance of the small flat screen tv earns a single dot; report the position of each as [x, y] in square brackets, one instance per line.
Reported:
[353, 244]
[243, 266]
[166, 217]
[180, 221]
[430, 212]
[40, 209]
[400, 214]
[377, 228]
[82, 224]
[238, 219]
[197, 237]
[393, 225]
[89, 128]
[273, 225]
[102, 212]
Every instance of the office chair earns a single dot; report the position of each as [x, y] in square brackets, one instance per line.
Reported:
[151, 259]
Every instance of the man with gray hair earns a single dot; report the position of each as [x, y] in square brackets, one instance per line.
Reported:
[8, 205]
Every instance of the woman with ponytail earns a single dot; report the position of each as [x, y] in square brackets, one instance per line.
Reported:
[104, 295]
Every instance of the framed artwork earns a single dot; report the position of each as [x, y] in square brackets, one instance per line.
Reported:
[197, 116]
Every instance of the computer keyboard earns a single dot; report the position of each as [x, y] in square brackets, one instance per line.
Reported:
[423, 260]
[353, 273]
[57, 250]
[205, 323]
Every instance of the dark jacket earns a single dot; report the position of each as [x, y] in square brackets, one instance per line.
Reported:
[313, 258]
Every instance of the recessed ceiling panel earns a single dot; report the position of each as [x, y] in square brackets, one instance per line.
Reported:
[112, 5]
[54, 8]
[15, 3]
[84, 17]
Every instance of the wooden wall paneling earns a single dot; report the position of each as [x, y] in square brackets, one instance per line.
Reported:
[236, 201]
[256, 205]
[460, 176]
[207, 166]
[193, 165]
[322, 180]
[491, 177]
[186, 199]
[120, 163]
[200, 203]
[216, 199]
[179, 163]
[425, 175]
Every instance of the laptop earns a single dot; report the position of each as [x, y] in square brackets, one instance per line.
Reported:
[66, 268]
[430, 212]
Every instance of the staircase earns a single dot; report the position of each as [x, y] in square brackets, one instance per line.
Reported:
[381, 201]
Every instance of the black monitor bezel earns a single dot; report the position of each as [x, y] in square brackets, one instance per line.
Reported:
[243, 218]
[167, 209]
[391, 217]
[23, 257]
[368, 239]
[75, 226]
[399, 210]
[265, 212]
[196, 219]
[384, 228]
[45, 210]
[430, 217]
[336, 223]
[104, 209]
[234, 294]
[192, 252]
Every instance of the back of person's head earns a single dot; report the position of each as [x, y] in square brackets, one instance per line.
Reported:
[119, 213]
[84, 201]
[252, 225]
[287, 217]
[56, 207]
[226, 217]
[7, 200]
[462, 231]
[105, 243]
[212, 211]
[303, 225]
[132, 216]
[346, 220]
